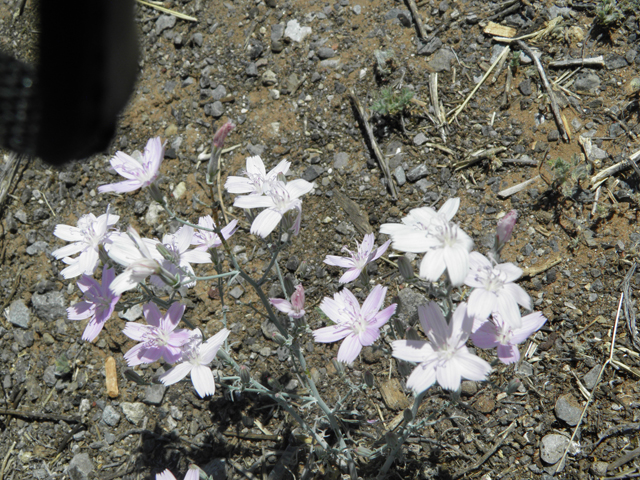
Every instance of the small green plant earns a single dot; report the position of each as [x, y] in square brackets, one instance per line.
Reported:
[391, 102]
[515, 61]
[567, 175]
[608, 14]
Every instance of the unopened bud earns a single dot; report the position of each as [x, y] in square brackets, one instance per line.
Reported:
[156, 193]
[513, 386]
[338, 366]
[279, 339]
[288, 285]
[407, 415]
[411, 334]
[245, 376]
[164, 251]
[404, 265]
[282, 178]
[368, 378]
[216, 150]
[505, 229]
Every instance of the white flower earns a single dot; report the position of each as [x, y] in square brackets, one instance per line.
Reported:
[280, 199]
[494, 290]
[257, 181]
[196, 358]
[87, 237]
[446, 245]
[139, 170]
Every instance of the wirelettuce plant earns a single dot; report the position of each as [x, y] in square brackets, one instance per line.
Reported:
[127, 263]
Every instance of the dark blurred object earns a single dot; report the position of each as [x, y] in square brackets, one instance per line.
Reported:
[66, 107]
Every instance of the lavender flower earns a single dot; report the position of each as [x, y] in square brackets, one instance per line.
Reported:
[195, 360]
[139, 170]
[87, 237]
[359, 327]
[192, 474]
[98, 304]
[445, 357]
[494, 290]
[157, 339]
[359, 259]
[500, 333]
[294, 308]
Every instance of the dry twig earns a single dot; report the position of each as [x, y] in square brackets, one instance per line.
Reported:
[416, 18]
[578, 62]
[486, 456]
[382, 161]
[552, 97]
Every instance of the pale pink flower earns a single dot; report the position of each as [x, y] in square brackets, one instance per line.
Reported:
[294, 308]
[446, 245]
[132, 253]
[500, 333]
[280, 199]
[139, 170]
[444, 358]
[195, 360]
[494, 290]
[204, 239]
[159, 339]
[98, 303]
[87, 237]
[192, 474]
[257, 181]
[359, 259]
[359, 327]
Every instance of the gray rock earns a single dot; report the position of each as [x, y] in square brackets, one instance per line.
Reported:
[613, 61]
[441, 60]
[568, 409]
[251, 70]
[219, 92]
[80, 466]
[599, 469]
[525, 87]
[277, 32]
[21, 216]
[19, 314]
[431, 46]
[215, 109]
[587, 82]
[357, 9]
[134, 412]
[424, 185]
[468, 388]
[344, 228]
[404, 19]
[564, 12]
[553, 136]
[552, 447]
[154, 394]
[37, 247]
[236, 292]
[524, 368]
[591, 377]
[325, 52]
[23, 338]
[132, 314]
[269, 78]
[255, 49]
[630, 56]
[110, 416]
[401, 178]
[408, 302]
[49, 376]
[164, 22]
[419, 139]
[197, 39]
[255, 149]
[417, 173]
[340, 160]
[576, 125]
[312, 172]
[49, 306]
[277, 46]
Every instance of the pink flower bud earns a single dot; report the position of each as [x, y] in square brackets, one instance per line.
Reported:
[221, 134]
[297, 299]
[505, 227]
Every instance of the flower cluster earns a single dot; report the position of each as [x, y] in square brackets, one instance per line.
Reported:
[491, 317]
[269, 191]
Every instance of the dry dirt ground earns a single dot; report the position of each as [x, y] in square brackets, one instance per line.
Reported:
[576, 242]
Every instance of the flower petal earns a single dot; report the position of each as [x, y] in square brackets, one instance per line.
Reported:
[349, 349]
[202, 379]
[411, 350]
[175, 374]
